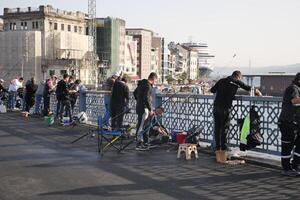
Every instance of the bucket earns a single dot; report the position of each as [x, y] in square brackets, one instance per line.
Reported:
[49, 120]
[180, 137]
[174, 135]
[66, 121]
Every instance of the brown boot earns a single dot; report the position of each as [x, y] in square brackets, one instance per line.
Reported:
[223, 157]
[218, 156]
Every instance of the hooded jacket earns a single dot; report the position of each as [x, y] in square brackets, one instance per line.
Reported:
[142, 94]
[226, 90]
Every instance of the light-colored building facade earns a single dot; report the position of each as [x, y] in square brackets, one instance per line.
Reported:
[111, 44]
[158, 46]
[182, 60]
[60, 34]
[193, 65]
[144, 46]
[179, 60]
[1, 24]
[155, 62]
[130, 66]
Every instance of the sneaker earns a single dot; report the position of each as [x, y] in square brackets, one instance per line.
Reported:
[290, 173]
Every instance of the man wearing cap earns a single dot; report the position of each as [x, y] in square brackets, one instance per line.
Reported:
[108, 86]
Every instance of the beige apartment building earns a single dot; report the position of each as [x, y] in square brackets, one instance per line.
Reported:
[130, 66]
[144, 46]
[43, 41]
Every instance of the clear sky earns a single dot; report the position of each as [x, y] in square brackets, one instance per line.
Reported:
[267, 31]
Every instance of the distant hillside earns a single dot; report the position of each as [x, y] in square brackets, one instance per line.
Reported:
[245, 70]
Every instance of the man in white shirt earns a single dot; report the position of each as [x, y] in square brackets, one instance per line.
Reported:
[15, 84]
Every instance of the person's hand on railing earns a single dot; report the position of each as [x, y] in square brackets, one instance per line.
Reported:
[258, 93]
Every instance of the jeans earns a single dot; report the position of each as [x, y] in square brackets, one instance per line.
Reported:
[290, 140]
[221, 122]
[107, 111]
[65, 109]
[142, 117]
[12, 95]
[38, 104]
[58, 108]
[117, 115]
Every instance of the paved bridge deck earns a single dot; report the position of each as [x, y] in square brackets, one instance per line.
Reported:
[38, 162]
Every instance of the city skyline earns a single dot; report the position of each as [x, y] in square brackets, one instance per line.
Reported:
[264, 31]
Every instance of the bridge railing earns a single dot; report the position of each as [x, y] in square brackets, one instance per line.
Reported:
[184, 111]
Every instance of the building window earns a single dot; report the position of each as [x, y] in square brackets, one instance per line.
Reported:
[36, 25]
[55, 26]
[62, 27]
[24, 26]
[33, 25]
[62, 72]
[80, 29]
[75, 29]
[51, 72]
[50, 25]
[69, 28]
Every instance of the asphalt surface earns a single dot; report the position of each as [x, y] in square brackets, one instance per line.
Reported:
[38, 162]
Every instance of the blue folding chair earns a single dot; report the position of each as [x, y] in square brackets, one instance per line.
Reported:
[111, 137]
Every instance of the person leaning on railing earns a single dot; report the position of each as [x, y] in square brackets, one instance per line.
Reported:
[289, 124]
[225, 90]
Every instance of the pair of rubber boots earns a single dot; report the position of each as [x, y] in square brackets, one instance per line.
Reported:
[221, 156]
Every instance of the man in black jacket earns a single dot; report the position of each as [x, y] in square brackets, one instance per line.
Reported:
[289, 124]
[31, 88]
[119, 101]
[225, 90]
[142, 95]
[63, 94]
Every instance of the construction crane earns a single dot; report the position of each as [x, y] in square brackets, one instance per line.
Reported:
[93, 42]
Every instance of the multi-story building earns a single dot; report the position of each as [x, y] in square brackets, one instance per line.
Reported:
[144, 46]
[179, 60]
[193, 65]
[111, 44]
[183, 62]
[155, 62]
[44, 41]
[158, 45]
[130, 67]
[205, 58]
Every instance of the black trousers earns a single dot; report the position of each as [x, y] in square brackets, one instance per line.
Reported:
[65, 109]
[290, 140]
[221, 127]
[117, 116]
[46, 105]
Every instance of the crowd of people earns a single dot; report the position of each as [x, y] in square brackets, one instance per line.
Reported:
[116, 102]
[25, 97]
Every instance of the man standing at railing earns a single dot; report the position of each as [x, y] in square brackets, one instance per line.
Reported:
[108, 86]
[119, 103]
[142, 94]
[289, 124]
[225, 90]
